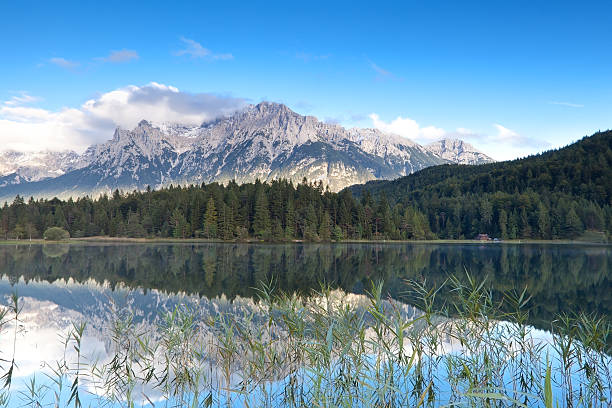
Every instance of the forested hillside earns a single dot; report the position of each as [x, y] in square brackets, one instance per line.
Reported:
[273, 211]
[555, 195]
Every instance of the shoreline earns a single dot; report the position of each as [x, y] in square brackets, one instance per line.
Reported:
[127, 240]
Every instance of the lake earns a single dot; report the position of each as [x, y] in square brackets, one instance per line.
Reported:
[559, 277]
[60, 284]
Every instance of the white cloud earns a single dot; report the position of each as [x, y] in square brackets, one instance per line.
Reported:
[195, 50]
[407, 127]
[307, 57]
[120, 56]
[568, 104]
[432, 133]
[503, 144]
[28, 128]
[22, 99]
[380, 71]
[505, 134]
[508, 136]
[465, 131]
[63, 62]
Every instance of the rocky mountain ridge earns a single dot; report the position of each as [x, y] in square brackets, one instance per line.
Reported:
[264, 141]
[21, 167]
[458, 151]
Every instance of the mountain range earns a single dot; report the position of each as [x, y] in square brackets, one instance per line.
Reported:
[20, 167]
[564, 193]
[264, 141]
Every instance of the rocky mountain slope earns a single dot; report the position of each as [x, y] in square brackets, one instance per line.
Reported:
[265, 141]
[458, 151]
[19, 167]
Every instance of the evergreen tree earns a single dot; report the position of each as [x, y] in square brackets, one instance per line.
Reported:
[261, 219]
[210, 219]
[486, 214]
[60, 219]
[503, 223]
[384, 222]
[180, 226]
[572, 226]
[277, 231]
[337, 235]
[525, 227]
[134, 227]
[568, 191]
[344, 216]
[290, 220]
[543, 221]
[324, 228]
[310, 225]
[227, 223]
[513, 226]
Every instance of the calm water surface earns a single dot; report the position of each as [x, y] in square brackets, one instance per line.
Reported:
[559, 277]
[61, 284]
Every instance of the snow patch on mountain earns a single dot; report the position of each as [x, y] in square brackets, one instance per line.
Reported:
[34, 166]
[458, 151]
[265, 141]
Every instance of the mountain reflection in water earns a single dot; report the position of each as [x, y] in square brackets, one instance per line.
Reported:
[559, 277]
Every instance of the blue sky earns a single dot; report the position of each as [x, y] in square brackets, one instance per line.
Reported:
[512, 78]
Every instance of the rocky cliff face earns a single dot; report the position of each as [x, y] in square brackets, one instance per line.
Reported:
[269, 141]
[265, 141]
[21, 167]
[458, 151]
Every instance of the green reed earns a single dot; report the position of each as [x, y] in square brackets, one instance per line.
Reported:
[332, 349]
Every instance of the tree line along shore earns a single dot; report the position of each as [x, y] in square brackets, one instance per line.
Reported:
[563, 194]
[281, 211]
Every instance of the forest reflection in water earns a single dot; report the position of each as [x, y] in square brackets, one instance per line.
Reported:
[559, 277]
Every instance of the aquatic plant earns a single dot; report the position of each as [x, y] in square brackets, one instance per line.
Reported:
[333, 349]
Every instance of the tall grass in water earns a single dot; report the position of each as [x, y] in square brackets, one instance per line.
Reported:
[332, 349]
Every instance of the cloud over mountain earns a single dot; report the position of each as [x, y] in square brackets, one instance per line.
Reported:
[407, 127]
[502, 144]
[25, 127]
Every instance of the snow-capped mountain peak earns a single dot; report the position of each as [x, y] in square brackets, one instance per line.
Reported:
[19, 167]
[458, 151]
[264, 141]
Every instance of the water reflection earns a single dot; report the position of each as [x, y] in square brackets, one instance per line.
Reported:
[43, 335]
[62, 284]
[561, 278]
[44, 332]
